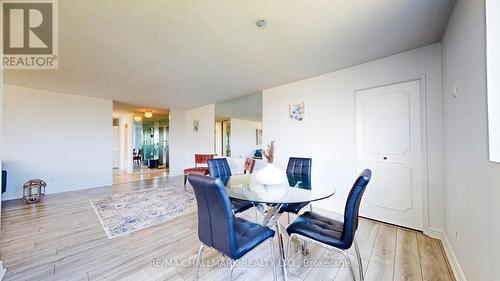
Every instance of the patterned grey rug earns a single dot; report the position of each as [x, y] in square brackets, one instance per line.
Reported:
[124, 213]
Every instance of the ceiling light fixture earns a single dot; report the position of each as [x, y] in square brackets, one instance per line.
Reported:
[138, 118]
[260, 23]
[148, 114]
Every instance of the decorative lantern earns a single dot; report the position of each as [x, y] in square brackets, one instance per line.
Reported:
[34, 190]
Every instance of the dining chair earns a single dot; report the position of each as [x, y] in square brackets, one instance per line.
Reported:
[299, 166]
[330, 233]
[219, 168]
[298, 172]
[219, 229]
[199, 159]
[137, 157]
[249, 165]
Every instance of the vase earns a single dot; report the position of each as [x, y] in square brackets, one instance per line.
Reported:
[270, 175]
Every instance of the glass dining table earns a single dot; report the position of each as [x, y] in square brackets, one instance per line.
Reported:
[269, 199]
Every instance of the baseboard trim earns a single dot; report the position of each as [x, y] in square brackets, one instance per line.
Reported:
[175, 174]
[453, 260]
[434, 233]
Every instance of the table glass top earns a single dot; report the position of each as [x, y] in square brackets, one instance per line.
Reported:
[294, 190]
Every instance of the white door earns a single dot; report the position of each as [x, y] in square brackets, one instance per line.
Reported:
[389, 142]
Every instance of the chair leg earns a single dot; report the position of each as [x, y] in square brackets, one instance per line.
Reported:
[198, 263]
[360, 263]
[288, 215]
[233, 263]
[185, 179]
[348, 259]
[305, 249]
[280, 245]
[298, 246]
[273, 259]
[287, 254]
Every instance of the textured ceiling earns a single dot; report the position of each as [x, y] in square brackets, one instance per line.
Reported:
[182, 54]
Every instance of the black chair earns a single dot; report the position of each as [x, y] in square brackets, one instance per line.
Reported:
[138, 157]
[298, 172]
[330, 233]
[219, 168]
[219, 229]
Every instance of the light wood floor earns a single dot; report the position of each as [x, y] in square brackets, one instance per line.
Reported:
[139, 174]
[62, 239]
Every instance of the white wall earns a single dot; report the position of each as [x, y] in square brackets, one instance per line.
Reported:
[472, 189]
[218, 137]
[201, 141]
[63, 139]
[185, 142]
[327, 134]
[127, 130]
[237, 165]
[245, 108]
[243, 137]
[177, 142]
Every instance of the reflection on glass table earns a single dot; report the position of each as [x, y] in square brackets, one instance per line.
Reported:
[296, 190]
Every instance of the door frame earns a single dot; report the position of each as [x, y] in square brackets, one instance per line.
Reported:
[423, 121]
[125, 145]
[117, 128]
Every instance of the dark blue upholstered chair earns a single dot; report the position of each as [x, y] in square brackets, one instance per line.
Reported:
[299, 166]
[219, 168]
[298, 172]
[219, 229]
[330, 233]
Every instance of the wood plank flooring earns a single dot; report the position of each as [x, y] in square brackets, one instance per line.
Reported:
[138, 174]
[62, 239]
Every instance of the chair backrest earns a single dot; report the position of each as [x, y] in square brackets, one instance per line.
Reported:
[215, 216]
[299, 166]
[351, 212]
[299, 181]
[249, 165]
[202, 158]
[219, 168]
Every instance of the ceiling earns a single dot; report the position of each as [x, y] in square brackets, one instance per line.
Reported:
[183, 54]
[120, 109]
[246, 108]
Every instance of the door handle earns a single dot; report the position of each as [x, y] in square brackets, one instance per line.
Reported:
[385, 157]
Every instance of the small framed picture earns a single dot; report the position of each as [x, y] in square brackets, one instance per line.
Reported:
[196, 125]
[296, 112]
[258, 137]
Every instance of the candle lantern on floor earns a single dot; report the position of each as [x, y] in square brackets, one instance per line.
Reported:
[34, 190]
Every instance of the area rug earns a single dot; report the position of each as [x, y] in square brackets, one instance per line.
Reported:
[125, 213]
